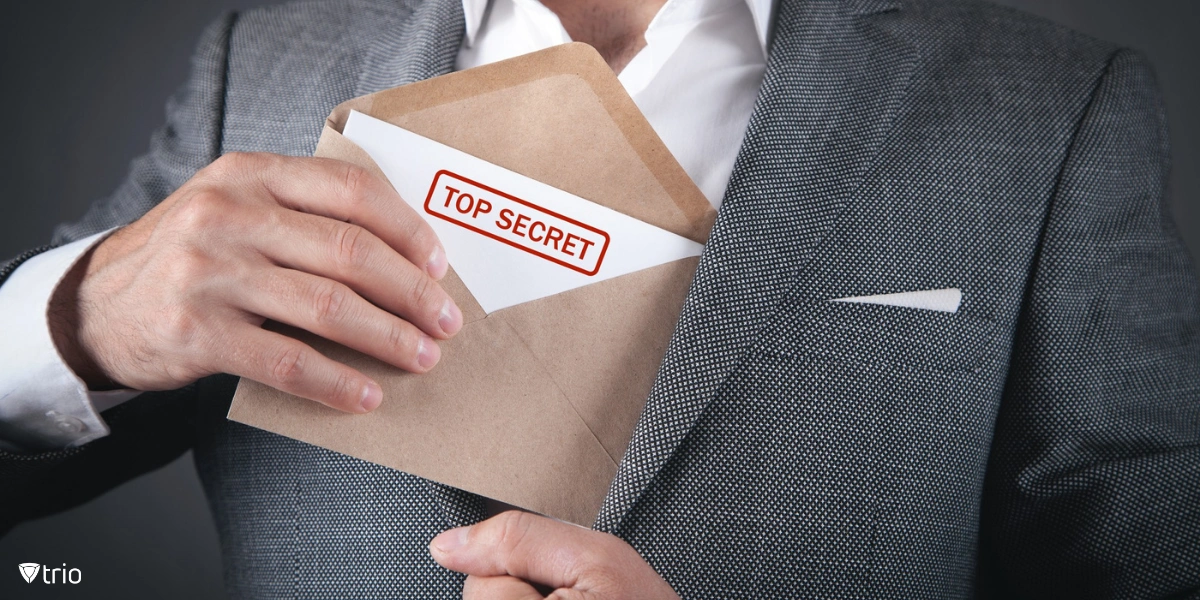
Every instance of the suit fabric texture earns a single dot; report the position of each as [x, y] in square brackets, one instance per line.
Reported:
[1043, 441]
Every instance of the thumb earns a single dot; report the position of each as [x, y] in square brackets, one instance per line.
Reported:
[520, 544]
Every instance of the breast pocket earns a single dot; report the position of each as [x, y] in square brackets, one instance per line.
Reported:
[878, 334]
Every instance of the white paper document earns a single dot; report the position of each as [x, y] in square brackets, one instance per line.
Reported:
[510, 238]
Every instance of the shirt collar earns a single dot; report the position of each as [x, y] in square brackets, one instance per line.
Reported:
[475, 12]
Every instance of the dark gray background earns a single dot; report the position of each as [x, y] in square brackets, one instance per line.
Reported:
[84, 85]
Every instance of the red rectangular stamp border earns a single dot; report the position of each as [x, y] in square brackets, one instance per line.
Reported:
[433, 186]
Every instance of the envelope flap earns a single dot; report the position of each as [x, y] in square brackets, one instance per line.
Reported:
[559, 116]
[606, 364]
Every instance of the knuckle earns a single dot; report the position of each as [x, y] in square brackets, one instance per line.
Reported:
[420, 234]
[229, 164]
[287, 364]
[355, 183]
[183, 372]
[180, 325]
[205, 209]
[186, 270]
[239, 165]
[347, 390]
[351, 246]
[222, 166]
[328, 302]
[510, 530]
[398, 338]
[426, 295]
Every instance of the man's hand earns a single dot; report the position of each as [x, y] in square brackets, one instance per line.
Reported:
[512, 555]
[315, 243]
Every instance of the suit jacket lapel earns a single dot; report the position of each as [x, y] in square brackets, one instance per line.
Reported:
[834, 81]
[424, 45]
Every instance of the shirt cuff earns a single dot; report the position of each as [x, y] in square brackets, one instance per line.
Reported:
[43, 404]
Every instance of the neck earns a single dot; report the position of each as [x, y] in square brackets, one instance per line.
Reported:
[615, 28]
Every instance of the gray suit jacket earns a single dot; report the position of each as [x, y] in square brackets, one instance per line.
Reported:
[1044, 441]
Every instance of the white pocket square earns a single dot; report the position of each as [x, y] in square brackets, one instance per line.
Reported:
[944, 300]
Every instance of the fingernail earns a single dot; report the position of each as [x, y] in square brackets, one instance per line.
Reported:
[450, 319]
[450, 540]
[428, 352]
[437, 265]
[372, 396]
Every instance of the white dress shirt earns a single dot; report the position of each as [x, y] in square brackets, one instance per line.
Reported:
[696, 81]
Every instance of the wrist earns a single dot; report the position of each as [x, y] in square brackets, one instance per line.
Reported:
[64, 320]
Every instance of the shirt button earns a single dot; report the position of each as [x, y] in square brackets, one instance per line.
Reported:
[66, 424]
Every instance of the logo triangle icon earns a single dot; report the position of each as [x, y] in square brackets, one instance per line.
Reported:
[29, 571]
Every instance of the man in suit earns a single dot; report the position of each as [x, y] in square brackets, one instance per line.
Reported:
[825, 423]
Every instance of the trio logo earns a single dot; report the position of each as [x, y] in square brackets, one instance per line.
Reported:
[29, 571]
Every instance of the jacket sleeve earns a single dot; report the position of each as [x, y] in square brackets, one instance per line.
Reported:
[154, 428]
[1093, 485]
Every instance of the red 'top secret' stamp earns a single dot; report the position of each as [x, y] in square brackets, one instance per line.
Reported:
[516, 222]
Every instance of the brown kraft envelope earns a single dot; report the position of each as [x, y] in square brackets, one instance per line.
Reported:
[534, 404]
